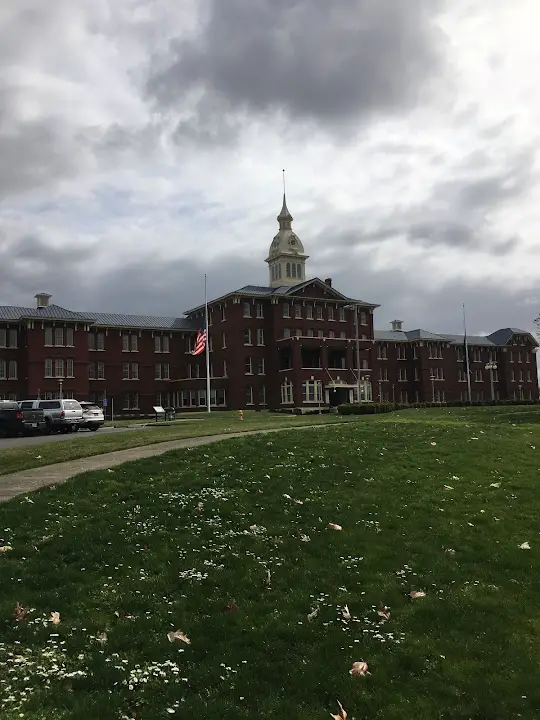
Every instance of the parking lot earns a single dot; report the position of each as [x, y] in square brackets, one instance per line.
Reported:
[60, 437]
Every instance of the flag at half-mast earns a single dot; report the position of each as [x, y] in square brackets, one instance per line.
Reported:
[200, 342]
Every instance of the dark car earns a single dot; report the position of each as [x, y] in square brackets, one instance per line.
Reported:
[14, 421]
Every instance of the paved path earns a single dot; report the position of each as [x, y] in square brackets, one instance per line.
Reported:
[25, 481]
[60, 437]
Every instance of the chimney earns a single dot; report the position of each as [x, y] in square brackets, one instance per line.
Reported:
[396, 325]
[328, 282]
[42, 300]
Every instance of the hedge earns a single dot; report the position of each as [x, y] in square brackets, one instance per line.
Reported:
[385, 407]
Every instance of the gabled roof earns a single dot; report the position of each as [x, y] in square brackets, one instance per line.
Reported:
[51, 312]
[55, 312]
[150, 322]
[283, 291]
[497, 338]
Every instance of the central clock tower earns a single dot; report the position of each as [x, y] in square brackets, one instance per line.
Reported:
[286, 259]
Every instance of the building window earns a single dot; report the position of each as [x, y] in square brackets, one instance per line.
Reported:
[383, 373]
[59, 368]
[319, 312]
[298, 311]
[224, 368]
[223, 318]
[331, 334]
[286, 310]
[262, 395]
[130, 401]
[403, 397]
[320, 333]
[248, 366]
[435, 352]
[12, 370]
[512, 377]
[69, 337]
[460, 355]
[48, 368]
[260, 336]
[342, 335]
[249, 394]
[101, 371]
[341, 314]
[521, 376]
[312, 391]
[59, 337]
[287, 397]
[330, 312]
[286, 332]
[260, 310]
[247, 309]
[477, 355]
[309, 312]
[363, 318]
[529, 378]
[125, 343]
[162, 371]
[91, 341]
[260, 366]
[2, 369]
[69, 368]
[401, 352]
[436, 373]
[402, 374]
[461, 375]
[247, 336]
[382, 352]
[91, 370]
[125, 371]
[310, 332]
[157, 343]
[223, 340]
[8, 338]
[416, 375]
[134, 343]
[477, 376]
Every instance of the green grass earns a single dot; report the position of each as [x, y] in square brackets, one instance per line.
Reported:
[25, 457]
[127, 552]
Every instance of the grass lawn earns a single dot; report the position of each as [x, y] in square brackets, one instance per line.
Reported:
[229, 544]
[24, 457]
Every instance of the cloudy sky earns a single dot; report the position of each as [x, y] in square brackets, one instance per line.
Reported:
[142, 143]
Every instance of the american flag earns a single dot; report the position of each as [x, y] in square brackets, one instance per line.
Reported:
[200, 342]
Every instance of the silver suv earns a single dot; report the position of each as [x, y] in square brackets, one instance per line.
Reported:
[60, 415]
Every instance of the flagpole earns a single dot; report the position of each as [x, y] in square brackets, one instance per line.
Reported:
[467, 355]
[207, 345]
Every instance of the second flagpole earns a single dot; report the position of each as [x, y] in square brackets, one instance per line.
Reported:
[208, 404]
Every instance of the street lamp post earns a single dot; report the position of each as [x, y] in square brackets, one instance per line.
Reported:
[491, 366]
[432, 378]
[60, 383]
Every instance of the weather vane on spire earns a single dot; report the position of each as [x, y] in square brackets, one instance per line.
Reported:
[283, 171]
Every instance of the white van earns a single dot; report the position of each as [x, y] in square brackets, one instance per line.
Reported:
[60, 415]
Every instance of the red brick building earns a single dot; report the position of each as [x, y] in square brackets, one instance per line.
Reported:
[296, 343]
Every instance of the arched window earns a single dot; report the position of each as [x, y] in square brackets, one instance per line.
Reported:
[288, 270]
[294, 270]
[279, 271]
[299, 270]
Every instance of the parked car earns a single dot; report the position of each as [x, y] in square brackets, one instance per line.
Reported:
[60, 415]
[93, 417]
[15, 421]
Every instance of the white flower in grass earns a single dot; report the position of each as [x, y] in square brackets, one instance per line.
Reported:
[525, 546]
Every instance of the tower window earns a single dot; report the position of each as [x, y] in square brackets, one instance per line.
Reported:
[288, 270]
[299, 271]
[293, 270]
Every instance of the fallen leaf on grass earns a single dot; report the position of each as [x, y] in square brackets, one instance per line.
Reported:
[230, 606]
[20, 612]
[342, 713]
[359, 669]
[304, 538]
[5, 548]
[268, 577]
[495, 485]
[200, 507]
[415, 594]
[178, 635]
[346, 613]
[448, 487]
[333, 526]
[525, 546]
[55, 618]
[313, 614]
[384, 612]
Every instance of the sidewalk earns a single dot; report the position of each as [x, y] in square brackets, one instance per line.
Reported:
[26, 481]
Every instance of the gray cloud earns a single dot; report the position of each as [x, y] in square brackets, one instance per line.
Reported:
[312, 59]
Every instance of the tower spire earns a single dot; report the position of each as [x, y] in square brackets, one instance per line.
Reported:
[284, 218]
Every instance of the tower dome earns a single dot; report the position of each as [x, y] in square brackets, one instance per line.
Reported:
[286, 258]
